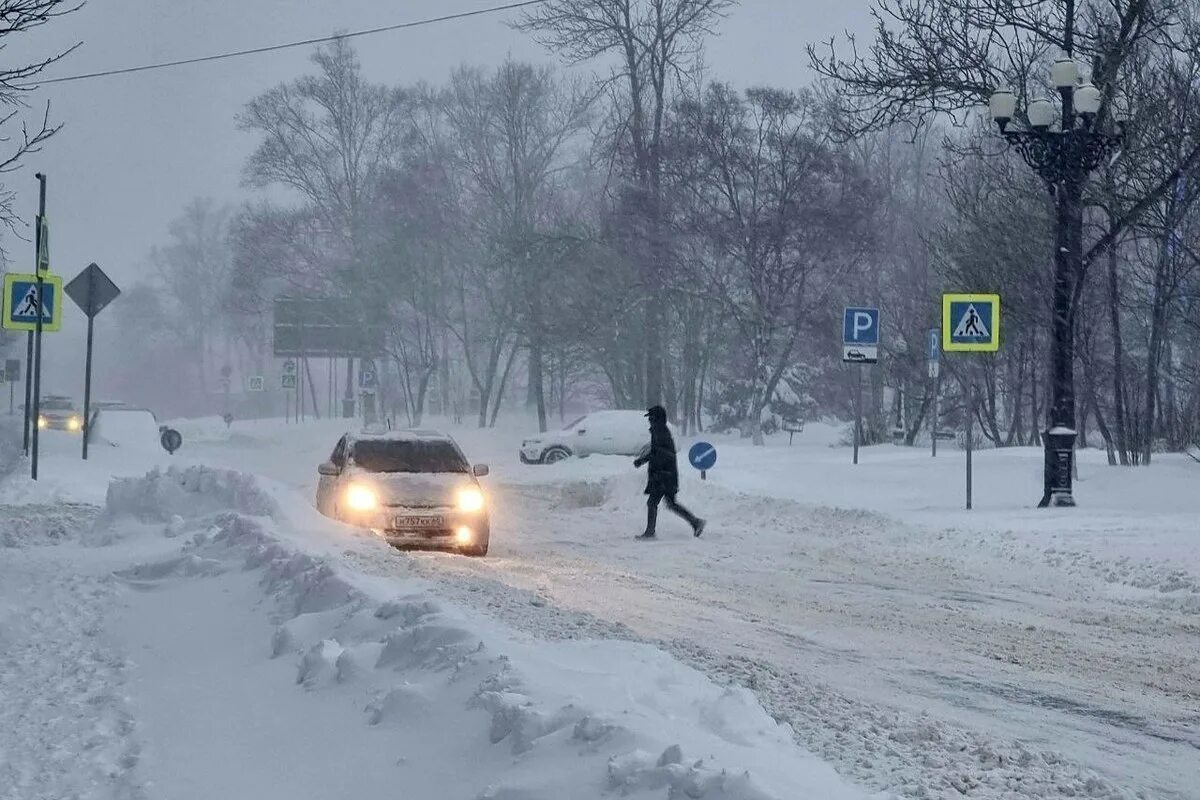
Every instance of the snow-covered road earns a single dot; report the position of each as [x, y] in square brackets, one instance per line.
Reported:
[922, 650]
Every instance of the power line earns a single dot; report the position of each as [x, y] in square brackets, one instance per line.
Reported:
[288, 45]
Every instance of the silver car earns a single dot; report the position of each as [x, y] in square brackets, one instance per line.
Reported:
[413, 488]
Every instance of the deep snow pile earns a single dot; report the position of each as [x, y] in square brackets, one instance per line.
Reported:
[480, 707]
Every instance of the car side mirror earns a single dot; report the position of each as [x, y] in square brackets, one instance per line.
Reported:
[582, 431]
[480, 470]
[329, 469]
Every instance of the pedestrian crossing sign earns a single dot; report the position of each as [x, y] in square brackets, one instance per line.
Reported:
[21, 302]
[970, 323]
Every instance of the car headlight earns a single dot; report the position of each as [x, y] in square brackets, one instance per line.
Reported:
[74, 424]
[43, 422]
[360, 497]
[470, 499]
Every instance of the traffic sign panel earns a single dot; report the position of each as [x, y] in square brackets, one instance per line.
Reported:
[288, 381]
[289, 367]
[860, 354]
[860, 326]
[971, 323]
[12, 369]
[21, 302]
[255, 383]
[935, 353]
[702, 456]
[92, 290]
[43, 256]
[367, 377]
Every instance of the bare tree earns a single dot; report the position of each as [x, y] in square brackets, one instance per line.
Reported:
[16, 81]
[329, 137]
[513, 129]
[195, 269]
[657, 44]
[782, 211]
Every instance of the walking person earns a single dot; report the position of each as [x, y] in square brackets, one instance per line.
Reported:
[662, 481]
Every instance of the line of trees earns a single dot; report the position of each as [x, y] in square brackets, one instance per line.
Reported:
[650, 234]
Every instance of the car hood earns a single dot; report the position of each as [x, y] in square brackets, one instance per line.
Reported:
[416, 489]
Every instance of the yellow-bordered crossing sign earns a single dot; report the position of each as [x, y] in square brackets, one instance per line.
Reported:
[21, 302]
[970, 323]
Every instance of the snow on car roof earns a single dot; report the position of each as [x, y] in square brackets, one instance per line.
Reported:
[404, 435]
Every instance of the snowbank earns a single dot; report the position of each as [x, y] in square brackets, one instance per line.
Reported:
[188, 492]
[575, 719]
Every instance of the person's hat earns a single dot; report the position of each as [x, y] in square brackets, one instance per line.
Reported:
[657, 412]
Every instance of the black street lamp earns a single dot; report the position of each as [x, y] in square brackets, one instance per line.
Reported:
[1064, 156]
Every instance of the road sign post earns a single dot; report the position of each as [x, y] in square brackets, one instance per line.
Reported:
[288, 381]
[92, 290]
[40, 316]
[12, 373]
[860, 345]
[970, 324]
[702, 456]
[28, 408]
[935, 374]
[970, 442]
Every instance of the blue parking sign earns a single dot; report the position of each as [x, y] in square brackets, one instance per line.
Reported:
[860, 326]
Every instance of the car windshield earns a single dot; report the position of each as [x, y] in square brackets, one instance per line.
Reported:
[574, 424]
[408, 456]
[57, 404]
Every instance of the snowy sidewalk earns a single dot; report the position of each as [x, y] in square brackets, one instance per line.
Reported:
[65, 730]
[194, 643]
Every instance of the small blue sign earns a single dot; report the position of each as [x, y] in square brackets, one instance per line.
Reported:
[367, 377]
[935, 345]
[702, 456]
[860, 326]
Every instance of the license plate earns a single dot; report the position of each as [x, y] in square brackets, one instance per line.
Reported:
[418, 522]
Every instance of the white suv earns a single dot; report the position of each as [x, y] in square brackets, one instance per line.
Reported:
[614, 433]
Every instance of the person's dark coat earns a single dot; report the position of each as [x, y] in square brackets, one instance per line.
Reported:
[663, 477]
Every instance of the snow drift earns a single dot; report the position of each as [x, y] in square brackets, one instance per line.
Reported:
[575, 719]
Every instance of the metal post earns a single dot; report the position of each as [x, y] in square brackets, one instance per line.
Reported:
[937, 388]
[87, 379]
[857, 408]
[37, 336]
[28, 387]
[970, 439]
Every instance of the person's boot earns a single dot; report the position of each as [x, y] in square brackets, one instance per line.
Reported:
[651, 523]
[698, 527]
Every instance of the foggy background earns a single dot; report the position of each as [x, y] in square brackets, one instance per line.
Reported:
[136, 148]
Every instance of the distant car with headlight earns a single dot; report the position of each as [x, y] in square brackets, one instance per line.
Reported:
[413, 488]
[57, 413]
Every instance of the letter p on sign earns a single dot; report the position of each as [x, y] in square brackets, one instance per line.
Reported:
[860, 326]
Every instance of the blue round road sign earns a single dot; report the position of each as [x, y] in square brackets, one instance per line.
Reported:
[703, 456]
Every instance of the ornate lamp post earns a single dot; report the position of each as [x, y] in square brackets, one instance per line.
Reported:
[1063, 157]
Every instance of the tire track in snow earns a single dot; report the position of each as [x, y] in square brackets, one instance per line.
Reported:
[816, 602]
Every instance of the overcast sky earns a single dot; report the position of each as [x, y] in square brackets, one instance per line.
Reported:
[136, 148]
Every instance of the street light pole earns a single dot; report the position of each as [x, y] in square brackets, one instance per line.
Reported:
[1063, 158]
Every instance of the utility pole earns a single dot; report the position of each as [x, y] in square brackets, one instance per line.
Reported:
[37, 336]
